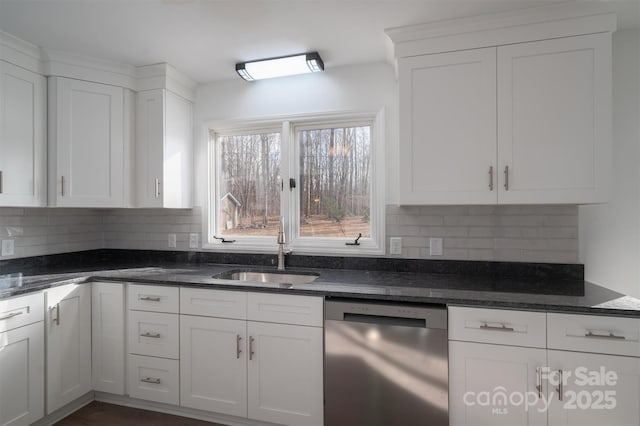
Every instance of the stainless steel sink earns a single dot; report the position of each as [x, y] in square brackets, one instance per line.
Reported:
[277, 277]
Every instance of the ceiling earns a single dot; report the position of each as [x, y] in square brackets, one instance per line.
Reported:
[205, 38]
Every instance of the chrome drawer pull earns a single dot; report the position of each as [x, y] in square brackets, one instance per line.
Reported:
[148, 334]
[539, 381]
[150, 380]
[490, 178]
[11, 315]
[251, 352]
[486, 326]
[150, 298]
[560, 386]
[238, 350]
[600, 336]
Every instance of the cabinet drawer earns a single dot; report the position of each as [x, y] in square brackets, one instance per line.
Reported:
[503, 327]
[153, 334]
[153, 298]
[285, 308]
[213, 303]
[21, 310]
[596, 334]
[154, 379]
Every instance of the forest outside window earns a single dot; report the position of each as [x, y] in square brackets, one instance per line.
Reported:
[319, 176]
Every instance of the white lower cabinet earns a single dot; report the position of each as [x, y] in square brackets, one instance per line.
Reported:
[559, 384]
[107, 324]
[597, 389]
[285, 374]
[68, 336]
[154, 379]
[264, 371]
[480, 374]
[22, 375]
[213, 364]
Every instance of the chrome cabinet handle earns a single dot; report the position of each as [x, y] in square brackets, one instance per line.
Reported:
[62, 186]
[490, 178]
[149, 334]
[11, 315]
[251, 352]
[506, 178]
[539, 381]
[0, 181]
[157, 188]
[611, 336]
[153, 380]
[486, 326]
[560, 386]
[238, 350]
[57, 310]
[150, 298]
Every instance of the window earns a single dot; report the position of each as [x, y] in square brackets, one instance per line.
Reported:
[319, 176]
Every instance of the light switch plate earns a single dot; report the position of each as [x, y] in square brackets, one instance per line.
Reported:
[7, 248]
[435, 246]
[395, 245]
[193, 240]
[172, 240]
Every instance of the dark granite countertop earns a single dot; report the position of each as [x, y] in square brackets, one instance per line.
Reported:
[430, 288]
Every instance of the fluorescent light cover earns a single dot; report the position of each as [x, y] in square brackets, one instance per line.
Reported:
[280, 67]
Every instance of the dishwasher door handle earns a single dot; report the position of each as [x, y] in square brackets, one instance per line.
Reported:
[384, 320]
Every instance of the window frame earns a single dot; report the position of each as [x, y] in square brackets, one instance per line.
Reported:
[290, 200]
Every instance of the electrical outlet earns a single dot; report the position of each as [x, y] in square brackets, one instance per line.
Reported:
[395, 245]
[435, 246]
[7, 248]
[172, 240]
[193, 240]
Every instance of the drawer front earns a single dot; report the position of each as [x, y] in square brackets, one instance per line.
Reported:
[596, 334]
[285, 309]
[502, 327]
[154, 379]
[153, 334]
[213, 303]
[153, 298]
[21, 310]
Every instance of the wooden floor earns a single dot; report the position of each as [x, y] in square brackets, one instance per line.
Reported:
[103, 414]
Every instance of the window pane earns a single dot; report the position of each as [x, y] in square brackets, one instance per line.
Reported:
[335, 182]
[249, 184]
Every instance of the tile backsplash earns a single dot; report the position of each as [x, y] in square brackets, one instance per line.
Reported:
[500, 233]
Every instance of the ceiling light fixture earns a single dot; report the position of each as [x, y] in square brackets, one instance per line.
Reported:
[281, 66]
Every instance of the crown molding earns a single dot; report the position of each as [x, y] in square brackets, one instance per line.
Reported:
[165, 76]
[538, 23]
[20, 53]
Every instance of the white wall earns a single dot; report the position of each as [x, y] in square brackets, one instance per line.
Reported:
[609, 234]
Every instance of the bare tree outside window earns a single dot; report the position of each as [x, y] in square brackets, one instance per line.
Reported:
[335, 180]
[249, 197]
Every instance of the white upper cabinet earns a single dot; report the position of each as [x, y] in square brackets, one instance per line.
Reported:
[554, 120]
[164, 140]
[447, 128]
[489, 113]
[23, 149]
[86, 144]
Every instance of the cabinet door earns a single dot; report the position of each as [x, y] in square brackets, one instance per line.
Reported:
[107, 324]
[87, 144]
[23, 150]
[213, 364]
[164, 140]
[597, 389]
[150, 116]
[554, 120]
[448, 128]
[22, 375]
[487, 382]
[285, 374]
[68, 334]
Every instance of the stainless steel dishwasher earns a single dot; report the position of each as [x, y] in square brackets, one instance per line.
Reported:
[385, 364]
